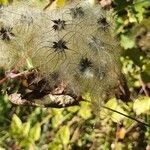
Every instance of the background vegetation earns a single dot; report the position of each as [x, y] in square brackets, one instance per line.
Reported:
[77, 127]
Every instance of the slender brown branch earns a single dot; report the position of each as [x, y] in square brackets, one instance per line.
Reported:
[13, 75]
[143, 86]
[6, 77]
[130, 117]
[132, 126]
[48, 5]
[3, 80]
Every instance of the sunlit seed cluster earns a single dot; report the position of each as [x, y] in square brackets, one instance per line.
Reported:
[73, 45]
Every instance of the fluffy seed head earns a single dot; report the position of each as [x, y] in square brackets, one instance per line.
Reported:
[72, 45]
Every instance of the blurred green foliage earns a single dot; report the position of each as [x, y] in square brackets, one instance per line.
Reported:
[4, 2]
[77, 127]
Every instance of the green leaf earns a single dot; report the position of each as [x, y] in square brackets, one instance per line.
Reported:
[60, 3]
[140, 8]
[26, 128]
[16, 122]
[116, 117]
[113, 104]
[85, 110]
[64, 135]
[127, 42]
[55, 146]
[4, 2]
[131, 16]
[29, 63]
[16, 125]
[73, 109]
[58, 118]
[35, 132]
[140, 11]
[141, 105]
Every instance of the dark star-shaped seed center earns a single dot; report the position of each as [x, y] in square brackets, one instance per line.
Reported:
[59, 46]
[59, 25]
[102, 22]
[6, 33]
[84, 64]
[77, 12]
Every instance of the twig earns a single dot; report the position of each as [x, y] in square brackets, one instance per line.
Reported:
[48, 5]
[130, 117]
[3, 80]
[143, 86]
[134, 125]
[6, 77]
[13, 75]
